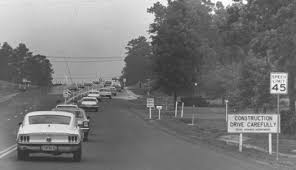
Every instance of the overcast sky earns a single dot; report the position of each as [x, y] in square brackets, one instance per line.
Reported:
[76, 28]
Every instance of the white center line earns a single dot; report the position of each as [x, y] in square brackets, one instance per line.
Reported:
[7, 151]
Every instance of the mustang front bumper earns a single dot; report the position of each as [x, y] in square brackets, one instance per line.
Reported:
[53, 148]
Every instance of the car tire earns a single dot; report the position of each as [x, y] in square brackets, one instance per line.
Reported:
[110, 97]
[22, 155]
[77, 155]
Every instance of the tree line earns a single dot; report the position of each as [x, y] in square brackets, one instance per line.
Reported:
[229, 51]
[19, 64]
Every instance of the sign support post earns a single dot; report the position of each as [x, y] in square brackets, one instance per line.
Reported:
[159, 108]
[182, 111]
[226, 109]
[150, 104]
[192, 120]
[278, 85]
[240, 142]
[270, 144]
[278, 127]
[176, 109]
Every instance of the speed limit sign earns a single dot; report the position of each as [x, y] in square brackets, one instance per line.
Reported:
[278, 83]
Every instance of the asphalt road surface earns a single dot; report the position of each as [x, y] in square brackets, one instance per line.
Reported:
[120, 140]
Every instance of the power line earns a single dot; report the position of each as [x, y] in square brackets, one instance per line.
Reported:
[85, 61]
[97, 58]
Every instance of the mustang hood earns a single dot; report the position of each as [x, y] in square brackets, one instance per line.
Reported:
[47, 128]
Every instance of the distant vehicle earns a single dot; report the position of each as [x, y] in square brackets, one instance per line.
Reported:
[94, 93]
[83, 121]
[89, 103]
[73, 88]
[113, 90]
[67, 106]
[49, 132]
[81, 86]
[88, 84]
[107, 83]
[105, 92]
[96, 82]
[118, 87]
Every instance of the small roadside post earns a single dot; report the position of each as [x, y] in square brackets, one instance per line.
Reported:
[176, 108]
[182, 111]
[124, 81]
[192, 119]
[158, 108]
[150, 104]
[278, 86]
[226, 109]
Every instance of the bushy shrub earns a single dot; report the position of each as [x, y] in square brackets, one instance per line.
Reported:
[288, 123]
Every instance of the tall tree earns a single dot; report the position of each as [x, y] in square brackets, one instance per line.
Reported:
[5, 54]
[138, 60]
[179, 39]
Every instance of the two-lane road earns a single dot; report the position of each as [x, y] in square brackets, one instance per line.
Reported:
[120, 140]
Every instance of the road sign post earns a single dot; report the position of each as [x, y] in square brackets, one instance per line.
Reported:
[176, 109]
[159, 108]
[226, 109]
[182, 111]
[252, 123]
[278, 85]
[150, 104]
[66, 94]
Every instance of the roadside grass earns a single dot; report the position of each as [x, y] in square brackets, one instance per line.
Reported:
[210, 125]
[7, 88]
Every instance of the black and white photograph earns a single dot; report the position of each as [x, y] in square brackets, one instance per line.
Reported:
[148, 84]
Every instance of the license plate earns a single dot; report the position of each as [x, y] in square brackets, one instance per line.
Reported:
[49, 148]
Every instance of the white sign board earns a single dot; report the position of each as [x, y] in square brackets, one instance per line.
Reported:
[278, 83]
[159, 107]
[66, 93]
[252, 123]
[150, 102]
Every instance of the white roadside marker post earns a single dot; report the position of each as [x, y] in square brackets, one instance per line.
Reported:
[182, 111]
[176, 109]
[192, 121]
[226, 109]
[159, 108]
[270, 144]
[240, 142]
[150, 115]
[158, 114]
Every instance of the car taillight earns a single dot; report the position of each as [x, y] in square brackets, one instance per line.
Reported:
[24, 139]
[85, 124]
[73, 139]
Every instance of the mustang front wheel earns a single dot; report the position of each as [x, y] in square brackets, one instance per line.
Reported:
[22, 155]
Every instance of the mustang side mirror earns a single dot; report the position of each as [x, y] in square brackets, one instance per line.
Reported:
[20, 123]
[88, 117]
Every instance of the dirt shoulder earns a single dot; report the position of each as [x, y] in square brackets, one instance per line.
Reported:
[209, 132]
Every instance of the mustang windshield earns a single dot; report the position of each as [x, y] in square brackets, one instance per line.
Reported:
[49, 119]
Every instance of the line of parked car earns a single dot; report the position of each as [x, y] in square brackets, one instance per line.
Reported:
[62, 129]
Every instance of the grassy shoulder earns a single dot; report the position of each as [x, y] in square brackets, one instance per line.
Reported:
[210, 127]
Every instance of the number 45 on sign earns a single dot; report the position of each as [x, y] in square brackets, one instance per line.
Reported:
[278, 83]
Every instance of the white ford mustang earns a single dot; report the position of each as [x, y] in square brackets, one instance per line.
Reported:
[51, 132]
